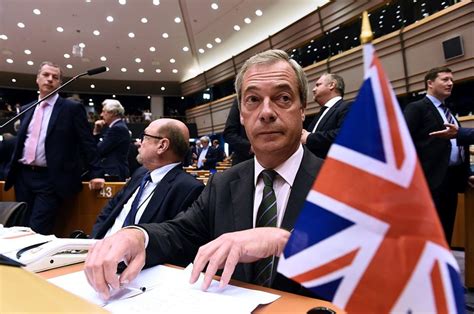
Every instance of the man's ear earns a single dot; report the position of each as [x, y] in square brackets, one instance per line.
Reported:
[241, 119]
[303, 107]
[163, 146]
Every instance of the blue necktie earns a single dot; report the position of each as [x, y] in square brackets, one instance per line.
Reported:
[130, 219]
[450, 118]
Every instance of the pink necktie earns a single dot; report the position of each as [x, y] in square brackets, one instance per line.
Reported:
[30, 150]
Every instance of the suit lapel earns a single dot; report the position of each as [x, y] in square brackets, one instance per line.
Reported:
[434, 110]
[54, 115]
[328, 115]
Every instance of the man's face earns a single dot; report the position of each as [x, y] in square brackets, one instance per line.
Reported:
[322, 90]
[48, 79]
[107, 116]
[147, 151]
[271, 111]
[442, 85]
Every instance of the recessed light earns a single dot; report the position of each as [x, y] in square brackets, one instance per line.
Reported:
[218, 40]
[9, 60]
[177, 20]
[103, 58]
[175, 70]
[209, 45]
[152, 49]
[131, 35]
[163, 88]
[144, 20]
[37, 11]
[60, 29]
[28, 52]
[128, 87]
[123, 69]
[258, 13]
[92, 86]
[247, 20]
[138, 60]
[149, 97]
[185, 48]
[172, 60]
[96, 32]
[165, 35]
[67, 56]
[13, 80]
[3, 36]
[182, 97]
[69, 66]
[123, 2]
[29, 62]
[201, 50]
[214, 6]
[237, 28]
[156, 2]
[158, 70]
[141, 70]
[110, 19]
[113, 96]
[82, 45]
[91, 104]
[88, 1]
[21, 25]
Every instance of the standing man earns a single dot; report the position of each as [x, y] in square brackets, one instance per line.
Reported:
[45, 168]
[322, 131]
[207, 155]
[445, 164]
[167, 189]
[113, 141]
[241, 221]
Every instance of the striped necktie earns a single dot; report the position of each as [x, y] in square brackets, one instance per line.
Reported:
[266, 217]
[451, 120]
[130, 219]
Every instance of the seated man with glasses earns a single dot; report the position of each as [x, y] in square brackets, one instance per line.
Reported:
[160, 189]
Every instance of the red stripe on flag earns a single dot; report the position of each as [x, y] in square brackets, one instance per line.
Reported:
[438, 289]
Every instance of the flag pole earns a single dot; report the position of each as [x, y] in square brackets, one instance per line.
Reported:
[366, 35]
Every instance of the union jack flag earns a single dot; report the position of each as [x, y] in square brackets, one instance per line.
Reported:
[368, 238]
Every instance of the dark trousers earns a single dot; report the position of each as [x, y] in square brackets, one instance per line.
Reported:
[445, 198]
[35, 187]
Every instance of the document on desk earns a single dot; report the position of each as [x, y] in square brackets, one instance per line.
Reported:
[168, 291]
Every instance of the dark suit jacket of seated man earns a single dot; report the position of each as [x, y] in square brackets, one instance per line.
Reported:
[171, 190]
[225, 225]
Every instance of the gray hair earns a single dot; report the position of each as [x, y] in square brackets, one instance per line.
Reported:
[205, 139]
[271, 57]
[113, 106]
[340, 86]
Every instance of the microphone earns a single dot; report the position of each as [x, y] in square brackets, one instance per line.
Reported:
[89, 72]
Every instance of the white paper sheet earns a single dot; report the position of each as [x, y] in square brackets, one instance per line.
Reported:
[168, 291]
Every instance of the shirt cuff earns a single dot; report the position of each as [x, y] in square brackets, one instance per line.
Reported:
[145, 234]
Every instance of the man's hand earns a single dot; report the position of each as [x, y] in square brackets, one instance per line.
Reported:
[245, 246]
[98, 126]
[126, 245]
[96, 184]
[304, 136]
[450, 132]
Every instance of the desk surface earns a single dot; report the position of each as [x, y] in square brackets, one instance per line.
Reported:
[288, 303]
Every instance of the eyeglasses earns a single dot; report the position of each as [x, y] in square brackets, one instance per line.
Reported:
[142, 136]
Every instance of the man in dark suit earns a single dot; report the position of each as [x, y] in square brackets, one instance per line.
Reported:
[444, 163]
[243, 218]
[327, 92]
[45, 168]
[113, 141]
[207, 155]
[170, 191]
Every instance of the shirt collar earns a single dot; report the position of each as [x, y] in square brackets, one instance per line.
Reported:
[159, 173]
[331, 102]
[115, 121]
[434, 100]
[287, 170]
[52, 100]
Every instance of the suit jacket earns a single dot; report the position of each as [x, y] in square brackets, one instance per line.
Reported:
[175, 193]
[225, 205]
[234, 134]
[68, 136]
[7, 147]
[211, 158]
[465, 136]
[113, 146]
[422, 117]
[320, 141]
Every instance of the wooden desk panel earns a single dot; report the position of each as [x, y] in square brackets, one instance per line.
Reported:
[287, 303]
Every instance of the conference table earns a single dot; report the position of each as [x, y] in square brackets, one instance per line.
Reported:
[287, 303]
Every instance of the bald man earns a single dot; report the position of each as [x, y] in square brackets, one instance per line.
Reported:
[160, 189]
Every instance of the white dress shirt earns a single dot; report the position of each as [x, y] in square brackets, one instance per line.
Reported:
[330, 103]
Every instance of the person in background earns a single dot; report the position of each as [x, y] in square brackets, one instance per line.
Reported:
[45, 168]
[113, 141]
[7, 146]
[219, 150]
[207, 155]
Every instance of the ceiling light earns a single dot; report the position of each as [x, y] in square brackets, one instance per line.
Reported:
[110, 19]
[218, 40]
[92, 86]
[131, 35]
[177, 20]
[88, 1]
[209, 45]
[172, 60]
[258, 13]
[175, 71]
[247, 20]
[37, 11]
[82, 45]
[67, 56]
[237, 28]
[103, 58]
[96, 32]
[29, 62]
[214, 6]
[141, 70]
[144, 20]
[113, 96]
[13, 80]
[123, 2]
[201, 50]
[69, 66]
[91, 104]
[149, 97]
[182, 97]
[21, 25]
[158, 70]
[152, 49]
[9, 60]
[60, 29]
[165, 35]
[4, 37]
[156, 2]
[128, 87]
[123, 69]
[185, 48]
[138, 60]
[28, 52]
[163, 88]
